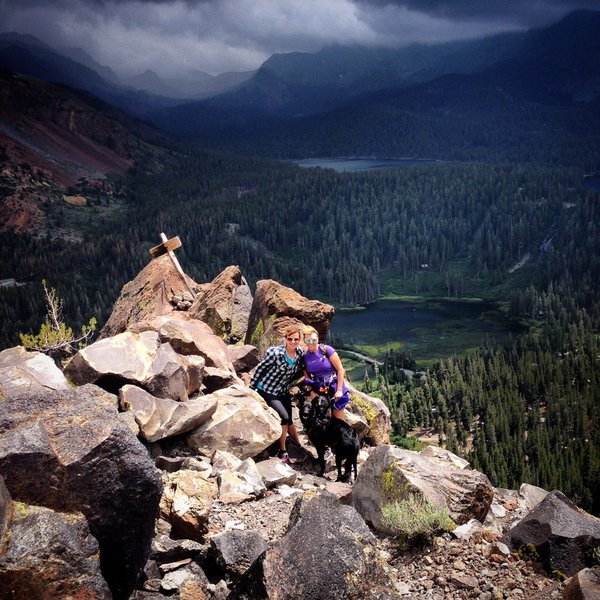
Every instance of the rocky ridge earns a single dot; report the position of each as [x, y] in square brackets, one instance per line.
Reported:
[155, 477]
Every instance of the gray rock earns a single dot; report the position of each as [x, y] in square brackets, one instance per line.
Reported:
[50, 555]
[132, 358]
[562, 534]
[531, 495]
[390, 474]
[275, 473]
[68, 451]
[242, 425]
[187, 501]
[160, 418]
[338, 562]
[244, 358]
[23, 372]
[224, 304]
[216, 379]
[5, 508]
[584, 585]
[373, 413]
[189, 581]
[236, 550]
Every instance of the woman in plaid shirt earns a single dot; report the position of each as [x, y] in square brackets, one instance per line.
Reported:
[272, 377]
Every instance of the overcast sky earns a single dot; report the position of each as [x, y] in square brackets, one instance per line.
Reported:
[236, 35]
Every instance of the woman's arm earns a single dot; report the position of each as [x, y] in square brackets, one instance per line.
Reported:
[336, 363]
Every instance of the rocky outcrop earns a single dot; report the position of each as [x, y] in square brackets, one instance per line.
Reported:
[50, 555]
[242, 425]
[189, 337]
[560, 533]
[390, 474]
[148, 295]
[159, 418]
[23, 372]
[68, 451]
[276, 306]
[135, 358]
[225, 305]
[342, 561]
[373, 413]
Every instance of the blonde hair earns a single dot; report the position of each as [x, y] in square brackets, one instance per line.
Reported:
[308, 330]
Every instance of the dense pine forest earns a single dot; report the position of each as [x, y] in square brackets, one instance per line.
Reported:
[526, 235]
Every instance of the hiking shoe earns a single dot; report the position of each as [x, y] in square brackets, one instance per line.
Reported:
[282, 455]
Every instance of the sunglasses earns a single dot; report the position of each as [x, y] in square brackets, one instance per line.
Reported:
[291, 339]
[311, 340]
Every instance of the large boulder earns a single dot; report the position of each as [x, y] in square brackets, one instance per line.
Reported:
[390, 475]
[159, 418]
[276, 306]
[236, 550]
[242, 425]
[70, 452]
[189, 337]
[135, 358]
[50, 555]
[148, 295]
[225, 305]
[562, 534]
[585, 585]
[23, 372]
[374, 413]
[327, 552]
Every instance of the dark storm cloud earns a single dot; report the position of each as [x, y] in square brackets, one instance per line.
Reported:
[528, 13]
[173, 36]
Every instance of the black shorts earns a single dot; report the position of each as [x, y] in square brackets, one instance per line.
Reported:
[281, 404]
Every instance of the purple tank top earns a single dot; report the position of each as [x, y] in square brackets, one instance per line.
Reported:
[318, 363]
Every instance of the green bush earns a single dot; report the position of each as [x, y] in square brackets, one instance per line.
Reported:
[415, 520]
[529, 552]
[55, 337]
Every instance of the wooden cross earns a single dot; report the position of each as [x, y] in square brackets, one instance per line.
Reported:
[166, 247]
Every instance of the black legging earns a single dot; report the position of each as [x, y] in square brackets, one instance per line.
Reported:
[281, 404]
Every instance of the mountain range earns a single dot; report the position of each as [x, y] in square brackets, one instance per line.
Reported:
[530, 96]
[299, 95]
[527, 96]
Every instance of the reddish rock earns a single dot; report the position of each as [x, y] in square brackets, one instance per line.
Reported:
[147, 296]
[225, 305]
[276, 307]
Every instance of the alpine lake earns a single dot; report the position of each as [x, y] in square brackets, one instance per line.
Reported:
[427, 330]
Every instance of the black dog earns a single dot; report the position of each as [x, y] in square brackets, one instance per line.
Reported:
[322, 430]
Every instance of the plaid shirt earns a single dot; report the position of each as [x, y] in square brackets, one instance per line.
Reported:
[274, 374]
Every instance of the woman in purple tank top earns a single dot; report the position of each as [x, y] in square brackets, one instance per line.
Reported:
[323, 369]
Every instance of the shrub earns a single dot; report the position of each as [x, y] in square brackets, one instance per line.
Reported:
[415, 520]
[55, 338]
